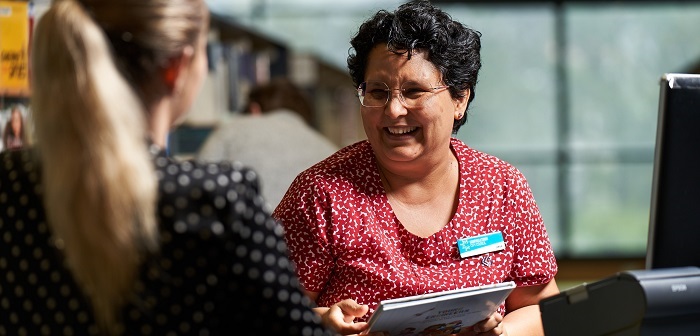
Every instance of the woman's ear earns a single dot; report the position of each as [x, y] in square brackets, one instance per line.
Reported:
[461, 104]
[176, 68]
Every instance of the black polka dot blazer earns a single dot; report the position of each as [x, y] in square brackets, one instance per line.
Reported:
[221, 269]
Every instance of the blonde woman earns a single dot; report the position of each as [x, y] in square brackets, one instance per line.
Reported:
[103, 234]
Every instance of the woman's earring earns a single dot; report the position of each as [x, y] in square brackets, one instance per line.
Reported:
[459, 116]
[170, 76]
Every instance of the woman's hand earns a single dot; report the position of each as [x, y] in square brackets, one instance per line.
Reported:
[341, 317]
[523, 316]
[491, 326]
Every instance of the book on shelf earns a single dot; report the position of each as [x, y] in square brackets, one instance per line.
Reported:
[441, 313]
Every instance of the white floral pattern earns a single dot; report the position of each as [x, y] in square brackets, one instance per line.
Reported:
[346, 241]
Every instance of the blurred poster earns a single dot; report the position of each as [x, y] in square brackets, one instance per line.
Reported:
[15, 23]
[15, 130]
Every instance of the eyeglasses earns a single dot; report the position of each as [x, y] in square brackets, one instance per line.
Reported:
[377, 94]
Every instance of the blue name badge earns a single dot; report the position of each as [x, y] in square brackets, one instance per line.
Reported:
[485, 243]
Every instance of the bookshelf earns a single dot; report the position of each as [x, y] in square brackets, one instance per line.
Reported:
[239, 58]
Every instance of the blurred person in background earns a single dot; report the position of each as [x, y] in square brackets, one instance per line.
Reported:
[103, 234]
[381, 218]
[274, 136]
[14, 136]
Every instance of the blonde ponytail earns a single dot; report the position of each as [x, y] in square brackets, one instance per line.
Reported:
[99, 185]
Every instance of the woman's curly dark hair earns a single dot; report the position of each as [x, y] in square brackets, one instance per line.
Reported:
[417, 25]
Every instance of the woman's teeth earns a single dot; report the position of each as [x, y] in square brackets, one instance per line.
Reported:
[401, 130]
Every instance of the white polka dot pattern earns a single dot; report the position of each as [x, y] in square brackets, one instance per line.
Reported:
[346, 241]
[222, 267]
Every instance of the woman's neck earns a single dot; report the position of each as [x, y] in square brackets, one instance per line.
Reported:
[421, 186]
[159, 122]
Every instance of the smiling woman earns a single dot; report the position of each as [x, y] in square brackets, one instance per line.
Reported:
[380, 219]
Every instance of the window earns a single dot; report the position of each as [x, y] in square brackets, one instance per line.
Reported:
[568, 93]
